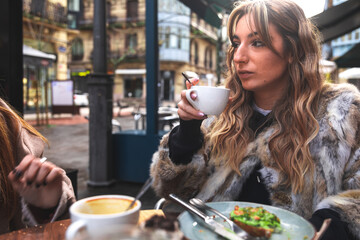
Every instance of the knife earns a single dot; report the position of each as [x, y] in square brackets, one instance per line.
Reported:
[210, 222]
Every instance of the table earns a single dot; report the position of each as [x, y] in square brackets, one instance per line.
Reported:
[56, 230]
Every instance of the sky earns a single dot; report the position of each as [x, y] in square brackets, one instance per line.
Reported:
[311, 7]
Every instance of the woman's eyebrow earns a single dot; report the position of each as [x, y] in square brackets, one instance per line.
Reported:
[249, 36]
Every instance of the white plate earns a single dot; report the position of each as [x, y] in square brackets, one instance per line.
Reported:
[294, 227]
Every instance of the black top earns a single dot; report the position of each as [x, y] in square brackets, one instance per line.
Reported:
[186, 138]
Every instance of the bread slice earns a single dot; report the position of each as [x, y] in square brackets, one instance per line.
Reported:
[256, 221]
[255, 231]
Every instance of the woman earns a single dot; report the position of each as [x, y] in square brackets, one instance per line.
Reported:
[285, 139]
[33, 191]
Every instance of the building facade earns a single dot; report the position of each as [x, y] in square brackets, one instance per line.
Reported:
[186, 42]
[47, 37]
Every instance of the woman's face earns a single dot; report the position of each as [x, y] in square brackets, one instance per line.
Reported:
[259, 69]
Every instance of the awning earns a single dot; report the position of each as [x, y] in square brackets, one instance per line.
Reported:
[130, 71]
[338, 20]
[350, 59]
[352, 73]
[210, 10]
[31, 52]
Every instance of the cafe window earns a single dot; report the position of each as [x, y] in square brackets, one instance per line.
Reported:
[132, 10]
[77, 50]
[133, 88]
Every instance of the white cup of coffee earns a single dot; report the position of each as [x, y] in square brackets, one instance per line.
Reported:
[98, 214]
[210, 100]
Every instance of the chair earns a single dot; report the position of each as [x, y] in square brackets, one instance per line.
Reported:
[160, 203]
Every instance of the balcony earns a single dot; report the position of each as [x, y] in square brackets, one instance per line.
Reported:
[45, 10]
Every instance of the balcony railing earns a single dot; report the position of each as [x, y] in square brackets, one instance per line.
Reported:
[54, 12]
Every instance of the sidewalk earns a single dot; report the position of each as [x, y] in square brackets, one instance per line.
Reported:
[68, 136]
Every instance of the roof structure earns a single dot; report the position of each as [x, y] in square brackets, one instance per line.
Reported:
[338, 20]
[350, 59]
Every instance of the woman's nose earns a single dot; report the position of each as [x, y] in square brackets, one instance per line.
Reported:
[240, 55]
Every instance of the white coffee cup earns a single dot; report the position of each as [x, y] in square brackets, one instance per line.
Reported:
[210, 100]
[99, 214]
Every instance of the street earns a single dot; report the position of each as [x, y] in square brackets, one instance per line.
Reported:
[68, 138]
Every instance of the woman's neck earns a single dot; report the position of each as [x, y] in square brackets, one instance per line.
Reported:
[266, 103]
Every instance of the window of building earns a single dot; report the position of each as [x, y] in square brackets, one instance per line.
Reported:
[72, 21]
[132, 10]
[37, 7]
[174, 37]
[131, 41]
[185, 40]
[357, 35]
[179, 38]
[166, 90]
[133, 88]
[206, 57]
[210, 59]
[74, 5]
[77, 49]
[196, 53]
[167, 37]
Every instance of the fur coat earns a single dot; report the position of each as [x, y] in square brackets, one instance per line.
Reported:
[335, 152]
[27, 143]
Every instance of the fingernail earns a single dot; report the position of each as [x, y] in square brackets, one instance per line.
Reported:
[28, 183]
[201, 114]
[18, 174]
[193, 95]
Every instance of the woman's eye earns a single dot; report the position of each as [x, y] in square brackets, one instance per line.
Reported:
[258, 43]
[235, 44]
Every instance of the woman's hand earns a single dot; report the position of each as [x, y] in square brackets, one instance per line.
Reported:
[185, 110]
[40, 184]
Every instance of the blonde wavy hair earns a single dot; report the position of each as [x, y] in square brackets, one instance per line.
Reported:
[294, 111]
[10, 126]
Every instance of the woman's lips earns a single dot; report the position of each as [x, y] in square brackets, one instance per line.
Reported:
[244, 74]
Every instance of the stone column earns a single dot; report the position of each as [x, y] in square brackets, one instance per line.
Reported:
[100, 103]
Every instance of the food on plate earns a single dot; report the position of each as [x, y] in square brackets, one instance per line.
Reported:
[257, 221]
